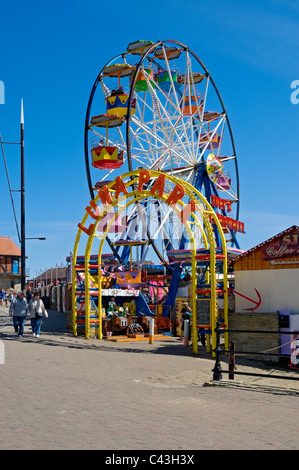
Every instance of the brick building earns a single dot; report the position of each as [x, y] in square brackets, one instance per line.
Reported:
[10, 264]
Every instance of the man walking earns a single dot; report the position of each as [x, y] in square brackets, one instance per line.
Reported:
[18, 310]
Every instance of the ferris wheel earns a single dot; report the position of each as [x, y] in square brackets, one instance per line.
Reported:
[155, 106]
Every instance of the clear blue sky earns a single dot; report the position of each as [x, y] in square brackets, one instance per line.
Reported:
[51, 53]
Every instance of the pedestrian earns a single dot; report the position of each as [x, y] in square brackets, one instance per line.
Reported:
[19, 310]
[2, 294]
[28, 294]
[11, 296]
[37, 310]
[186, 315]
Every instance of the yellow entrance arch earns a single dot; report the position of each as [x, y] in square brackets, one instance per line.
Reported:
[116, 197]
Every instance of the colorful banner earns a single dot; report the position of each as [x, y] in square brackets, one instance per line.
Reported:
[214, 168]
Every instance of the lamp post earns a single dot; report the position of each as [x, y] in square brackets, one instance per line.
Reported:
[22, 238]
[23, 254]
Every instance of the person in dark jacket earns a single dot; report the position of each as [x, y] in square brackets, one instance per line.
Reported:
[28, 295]
[19, 310]
[186, 315]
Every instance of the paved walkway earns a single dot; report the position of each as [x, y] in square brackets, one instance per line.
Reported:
[62, 392]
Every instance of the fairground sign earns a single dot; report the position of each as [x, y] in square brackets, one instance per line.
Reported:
[284, 247]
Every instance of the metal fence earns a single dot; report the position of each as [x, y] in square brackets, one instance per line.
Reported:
[218, 371]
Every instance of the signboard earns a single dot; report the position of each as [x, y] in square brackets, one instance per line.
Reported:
[286, 246]
[120, 292]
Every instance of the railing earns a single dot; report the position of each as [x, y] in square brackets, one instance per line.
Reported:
[218, 371]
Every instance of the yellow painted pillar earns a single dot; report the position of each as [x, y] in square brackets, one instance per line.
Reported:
[193, 301]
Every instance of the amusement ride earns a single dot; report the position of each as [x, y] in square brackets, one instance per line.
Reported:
[157, 137]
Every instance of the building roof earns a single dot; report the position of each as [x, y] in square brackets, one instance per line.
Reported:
[266, 242]
[51, 273]
[8, 247]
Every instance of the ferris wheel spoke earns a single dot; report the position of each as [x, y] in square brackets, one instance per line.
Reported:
[210, 136]
[159, 225]
[159, 139]
[147, 131]
[177, 101]
[158, 106]
[205, 98]
[166, 126]
[150, 148]
[221, 135]
[106, 91]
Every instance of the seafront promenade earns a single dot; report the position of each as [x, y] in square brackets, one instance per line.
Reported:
[68, 393]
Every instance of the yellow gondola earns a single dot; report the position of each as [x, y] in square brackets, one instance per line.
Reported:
[107, 157]
[117, 104]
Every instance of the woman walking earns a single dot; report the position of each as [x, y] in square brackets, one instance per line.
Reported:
[37, 310]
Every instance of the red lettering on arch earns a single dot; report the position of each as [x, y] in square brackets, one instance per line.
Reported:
[158, 186]
[177, 193]
[144, 177]
[104, 195]
[86, 230]
[95, 212]
[119, 187]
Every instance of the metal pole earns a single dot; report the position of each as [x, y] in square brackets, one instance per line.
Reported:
[23, 255]
[231, 363]
[151, 330]
[186, 332]
[217, 371]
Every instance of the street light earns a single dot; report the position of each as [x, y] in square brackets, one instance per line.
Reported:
[34, 238]
[21, 237]
[22, 201]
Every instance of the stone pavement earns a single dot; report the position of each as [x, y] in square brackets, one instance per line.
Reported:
[67, 393]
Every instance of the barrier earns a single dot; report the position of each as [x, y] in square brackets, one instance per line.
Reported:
[218, 371]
